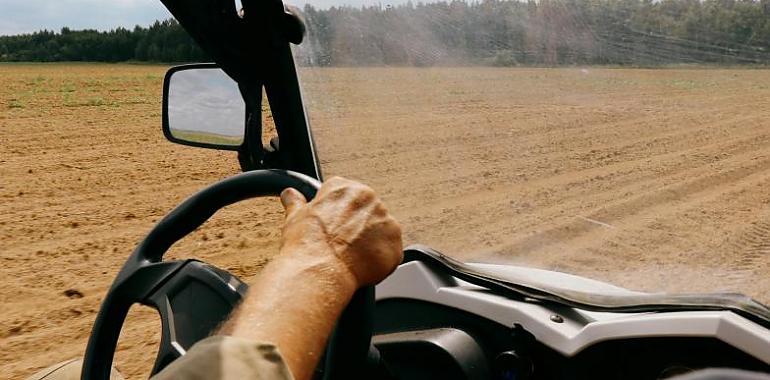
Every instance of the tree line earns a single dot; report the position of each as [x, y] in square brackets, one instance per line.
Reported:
[163, 41]
[543, 32]
[486, 32]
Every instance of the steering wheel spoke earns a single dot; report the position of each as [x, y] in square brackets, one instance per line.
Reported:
[179, 301]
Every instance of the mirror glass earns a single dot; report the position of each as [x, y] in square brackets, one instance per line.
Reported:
[205, 106]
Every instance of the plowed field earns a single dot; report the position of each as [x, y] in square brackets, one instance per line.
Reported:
[652, 179]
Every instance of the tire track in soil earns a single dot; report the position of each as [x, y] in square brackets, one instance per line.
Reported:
[753, 248]
[625, 217]
[489, 201]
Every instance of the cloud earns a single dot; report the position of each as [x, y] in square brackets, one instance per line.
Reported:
[206, 101]
[26, 16]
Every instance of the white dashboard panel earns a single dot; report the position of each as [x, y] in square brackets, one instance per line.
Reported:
[578, 329]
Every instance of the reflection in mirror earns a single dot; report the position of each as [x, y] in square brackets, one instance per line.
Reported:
[205, 106]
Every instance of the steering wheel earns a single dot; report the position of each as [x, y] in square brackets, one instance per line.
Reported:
[193, 298]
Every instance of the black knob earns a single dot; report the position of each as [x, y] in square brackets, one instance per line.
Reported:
[510, 365]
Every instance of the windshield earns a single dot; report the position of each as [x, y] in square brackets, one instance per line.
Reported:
[622, 140]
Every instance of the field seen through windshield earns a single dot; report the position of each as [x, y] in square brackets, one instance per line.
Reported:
[651, 179]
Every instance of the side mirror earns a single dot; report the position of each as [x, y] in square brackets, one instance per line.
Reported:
[203, 107]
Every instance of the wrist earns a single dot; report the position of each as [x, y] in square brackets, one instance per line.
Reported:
[319, 264]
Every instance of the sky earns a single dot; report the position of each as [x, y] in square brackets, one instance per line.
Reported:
[212, 93]
[26, 16]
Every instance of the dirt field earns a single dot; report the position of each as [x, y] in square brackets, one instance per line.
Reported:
[652, 179]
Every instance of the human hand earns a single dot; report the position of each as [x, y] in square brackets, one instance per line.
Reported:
[347, 224]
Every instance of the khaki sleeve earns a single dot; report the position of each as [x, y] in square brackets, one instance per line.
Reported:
[228, 358]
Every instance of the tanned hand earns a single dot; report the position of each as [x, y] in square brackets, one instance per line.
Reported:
[340, 241]
[347, 223]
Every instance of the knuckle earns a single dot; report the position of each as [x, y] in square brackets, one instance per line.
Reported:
[360, 197]
[338, 181]
[392, 221]
[380, 210]
[390, 228]
[366, 193]
[336, 192]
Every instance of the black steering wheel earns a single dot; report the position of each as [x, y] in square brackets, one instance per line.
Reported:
[193, 298]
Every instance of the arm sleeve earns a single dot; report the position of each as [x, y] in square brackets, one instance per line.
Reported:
[228, 358]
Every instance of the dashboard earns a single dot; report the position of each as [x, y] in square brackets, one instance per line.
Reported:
[422, 340]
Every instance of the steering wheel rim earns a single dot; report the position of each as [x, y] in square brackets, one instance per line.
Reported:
[145, 271]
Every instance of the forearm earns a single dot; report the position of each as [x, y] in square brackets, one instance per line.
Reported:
[297, 300]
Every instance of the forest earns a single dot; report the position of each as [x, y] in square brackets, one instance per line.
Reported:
[486, 32]
[164, 41]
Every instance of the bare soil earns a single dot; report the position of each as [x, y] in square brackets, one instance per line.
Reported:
[651, 179]
[655, 180]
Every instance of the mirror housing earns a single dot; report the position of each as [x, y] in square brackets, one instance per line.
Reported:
[203, 107]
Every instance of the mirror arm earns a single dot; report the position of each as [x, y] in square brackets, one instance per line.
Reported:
[251, 152]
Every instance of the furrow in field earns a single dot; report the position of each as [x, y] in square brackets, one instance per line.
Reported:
[510, 160]
[615, 180]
